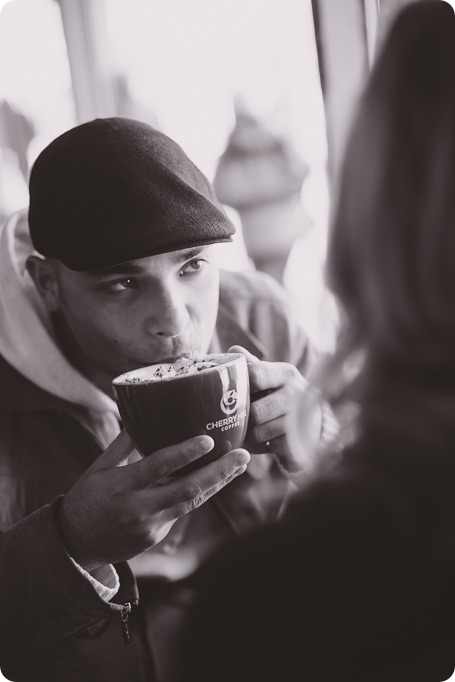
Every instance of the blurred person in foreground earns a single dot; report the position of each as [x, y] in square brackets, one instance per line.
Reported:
[356, 582]
[112, 269]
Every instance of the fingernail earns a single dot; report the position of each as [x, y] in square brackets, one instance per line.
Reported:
[203, 444]
[242, 458]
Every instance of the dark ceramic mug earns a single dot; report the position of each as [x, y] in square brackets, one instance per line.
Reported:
[159, 412]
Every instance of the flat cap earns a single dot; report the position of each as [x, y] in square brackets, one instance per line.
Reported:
[114, 190]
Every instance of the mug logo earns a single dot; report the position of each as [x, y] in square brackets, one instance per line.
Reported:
[229, 402]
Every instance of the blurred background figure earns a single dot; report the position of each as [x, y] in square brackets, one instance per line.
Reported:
[261, 176]
[16, 133]
[356, 582]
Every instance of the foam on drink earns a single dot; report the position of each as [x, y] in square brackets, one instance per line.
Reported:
[167, 370]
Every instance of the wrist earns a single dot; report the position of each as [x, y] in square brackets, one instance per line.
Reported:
[74, 546]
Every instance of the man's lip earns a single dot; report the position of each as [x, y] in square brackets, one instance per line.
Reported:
[170, 359]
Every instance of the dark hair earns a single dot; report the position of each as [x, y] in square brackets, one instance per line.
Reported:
[391, 259]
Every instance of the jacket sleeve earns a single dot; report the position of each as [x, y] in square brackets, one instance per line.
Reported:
[45, 599]
[273, 322]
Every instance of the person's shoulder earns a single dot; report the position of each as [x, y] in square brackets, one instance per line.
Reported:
[251, 285]
[255, 302]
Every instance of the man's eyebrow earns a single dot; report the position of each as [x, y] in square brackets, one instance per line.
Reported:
[187, 254]
[133, 268]
[121, 269]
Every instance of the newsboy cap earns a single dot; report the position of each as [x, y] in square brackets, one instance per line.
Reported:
[114, 190]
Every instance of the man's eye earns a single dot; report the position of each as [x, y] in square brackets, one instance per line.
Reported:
[122, 285]
[195, 265]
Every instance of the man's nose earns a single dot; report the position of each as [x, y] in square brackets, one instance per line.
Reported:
[169, 316]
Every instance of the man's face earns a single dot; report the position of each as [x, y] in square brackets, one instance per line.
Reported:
[143, 312]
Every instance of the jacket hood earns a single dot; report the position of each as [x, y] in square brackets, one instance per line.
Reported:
[28, 344]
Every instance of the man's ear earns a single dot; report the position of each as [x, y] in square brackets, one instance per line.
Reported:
[44, 276]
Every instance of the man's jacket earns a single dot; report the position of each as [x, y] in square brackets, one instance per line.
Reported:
[53, 624]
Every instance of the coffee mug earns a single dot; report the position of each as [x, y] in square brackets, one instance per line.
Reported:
[162, 405]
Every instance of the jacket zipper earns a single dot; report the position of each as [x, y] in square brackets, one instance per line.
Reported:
[124, 615]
